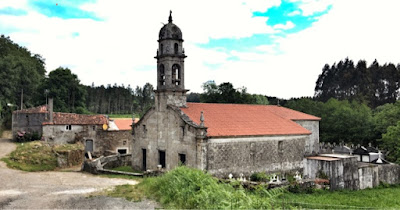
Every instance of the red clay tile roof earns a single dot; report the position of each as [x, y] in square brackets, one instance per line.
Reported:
[124, 123]
[38, 109]
[247, 120]
[60, 118]
[291, 114]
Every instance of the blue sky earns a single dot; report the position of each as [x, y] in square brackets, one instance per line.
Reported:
[272, 47]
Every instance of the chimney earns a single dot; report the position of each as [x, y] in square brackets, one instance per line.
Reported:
[50, 109]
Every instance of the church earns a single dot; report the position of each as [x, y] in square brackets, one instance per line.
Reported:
[222, 139]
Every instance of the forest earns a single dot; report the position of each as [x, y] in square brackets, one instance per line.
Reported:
[358, 103]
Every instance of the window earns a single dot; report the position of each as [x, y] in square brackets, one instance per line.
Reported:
[144, 131]
[182, 159]
[68, 127]
[122, 151]
[183, 131]
[94, 127]
[176, 74]
[280, 145]
[161, 158]
[162, 75]
[144, 160]
[176, 48]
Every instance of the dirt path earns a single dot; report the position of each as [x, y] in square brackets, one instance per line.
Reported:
[61, 190]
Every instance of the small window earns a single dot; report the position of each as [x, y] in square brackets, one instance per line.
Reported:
[144, 161]
[182, 159]
[176, 48]
[144, 130]
[122, 151]
[280, 146]
[94, 127]
[183, 131]
[68, 127]
[161, 158]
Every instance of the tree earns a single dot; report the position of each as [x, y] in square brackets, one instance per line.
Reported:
[226, 93]
[385, 116]
[391, 142]
[375, 85]
[65, 88]
[21, 72]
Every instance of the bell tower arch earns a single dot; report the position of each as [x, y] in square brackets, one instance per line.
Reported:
[170, 67]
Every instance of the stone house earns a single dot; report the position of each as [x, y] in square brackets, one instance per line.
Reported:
[61, 128]
[219, 138]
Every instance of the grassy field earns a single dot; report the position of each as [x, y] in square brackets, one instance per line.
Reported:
[377, 198]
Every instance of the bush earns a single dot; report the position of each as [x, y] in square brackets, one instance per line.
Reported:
[23, 136]
[186, 188]
[260, 177]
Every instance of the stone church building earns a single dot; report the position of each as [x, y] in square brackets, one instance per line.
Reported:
[219, 138]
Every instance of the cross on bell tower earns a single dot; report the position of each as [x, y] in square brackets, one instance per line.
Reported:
[170, 67]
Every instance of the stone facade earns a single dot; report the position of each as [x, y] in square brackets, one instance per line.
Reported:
[112, 142]
[312, 142]
[63, 134]
[164, 131]
[255, 154]
[28, 122]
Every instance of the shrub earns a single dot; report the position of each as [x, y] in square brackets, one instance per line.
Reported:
[260, 177]
[186, 188]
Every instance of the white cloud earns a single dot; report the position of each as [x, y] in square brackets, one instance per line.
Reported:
[287, 25]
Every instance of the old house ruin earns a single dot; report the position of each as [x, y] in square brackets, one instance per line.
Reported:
[62, 128]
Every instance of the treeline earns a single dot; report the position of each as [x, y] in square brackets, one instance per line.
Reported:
[374, 85]
[119, 99]
[357, 104]
[226, 93]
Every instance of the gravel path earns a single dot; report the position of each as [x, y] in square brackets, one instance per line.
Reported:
[58, 190]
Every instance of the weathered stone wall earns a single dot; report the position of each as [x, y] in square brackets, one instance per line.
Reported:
[368, 176]
[108, 142]
[255, 154]
[165, 131]
[342, 173]
[59, 134]
[29, 122]
[312, 142]
[389, 173]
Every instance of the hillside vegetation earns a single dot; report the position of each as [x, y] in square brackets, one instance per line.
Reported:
[37, 156]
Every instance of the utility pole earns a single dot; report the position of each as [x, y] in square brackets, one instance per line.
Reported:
[22, 98]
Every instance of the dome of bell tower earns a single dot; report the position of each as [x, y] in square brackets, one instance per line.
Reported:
[170, 30]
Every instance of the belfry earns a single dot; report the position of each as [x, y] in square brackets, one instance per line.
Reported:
[170, 67]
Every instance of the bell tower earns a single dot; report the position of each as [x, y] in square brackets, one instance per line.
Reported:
[170, 67]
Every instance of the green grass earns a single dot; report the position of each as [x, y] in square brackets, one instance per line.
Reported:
[126, 169]
[121, 176]
[36, 156]
[186, 188]
[345, 199]
[129, 192]
[120, 115]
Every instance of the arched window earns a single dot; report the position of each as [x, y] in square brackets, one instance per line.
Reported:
[176, 48]
[162, 49]
[162, 75]
[176, 74]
